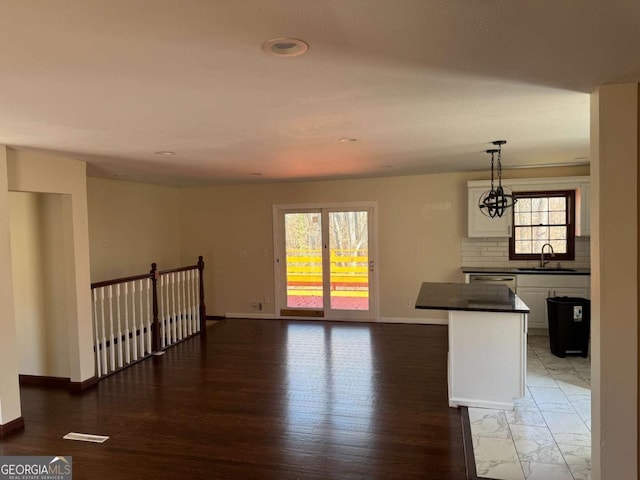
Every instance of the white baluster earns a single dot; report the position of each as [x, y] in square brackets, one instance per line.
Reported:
[193, 306]
[196, 300]
[120, 359]
[187, 304]
[112, 352]
[149, 316]
[196, 308]
[175, 295]
[188, 310]
[96, 342]
[167, 291]
[167, 322]
[180, 303]
[162, 300]
[159, 286]
[127, 344]
[103, 341]
[194, 303]
[185, 295]
[163, 316]
[141, 333]
[162, 306]
[134, 327]
[174, 332]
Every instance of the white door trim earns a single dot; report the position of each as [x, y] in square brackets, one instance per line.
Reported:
[278, 248]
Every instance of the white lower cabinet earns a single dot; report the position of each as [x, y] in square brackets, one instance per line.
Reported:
[535, 289]
[536, 300]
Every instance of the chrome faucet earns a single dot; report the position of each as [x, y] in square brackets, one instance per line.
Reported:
[543, 262]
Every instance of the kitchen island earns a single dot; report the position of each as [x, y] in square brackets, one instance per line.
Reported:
[487, 342]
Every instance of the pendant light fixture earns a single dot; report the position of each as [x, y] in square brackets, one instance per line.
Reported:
[497, 200]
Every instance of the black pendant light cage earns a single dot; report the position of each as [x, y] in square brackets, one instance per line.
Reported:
[495, 202]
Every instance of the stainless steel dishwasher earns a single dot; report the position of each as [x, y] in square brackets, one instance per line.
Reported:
[494, 279]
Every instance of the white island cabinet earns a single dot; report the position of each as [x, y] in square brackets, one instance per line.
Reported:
[487, 342]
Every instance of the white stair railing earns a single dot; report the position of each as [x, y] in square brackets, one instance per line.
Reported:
[136, 316]
[180, 310]
[119, 322]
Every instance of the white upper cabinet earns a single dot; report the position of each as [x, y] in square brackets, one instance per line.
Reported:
[480, 225]
[583, 210]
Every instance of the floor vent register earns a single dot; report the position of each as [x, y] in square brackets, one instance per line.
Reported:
[86, 437]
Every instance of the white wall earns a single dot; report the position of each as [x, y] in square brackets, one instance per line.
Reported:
[9, 387]
[34, 172]
[132, 225]
[615, 145]
[422, 220]
[39, 283]
[55, 233]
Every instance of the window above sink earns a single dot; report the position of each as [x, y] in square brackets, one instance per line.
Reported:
[481, 226]
[543, 217]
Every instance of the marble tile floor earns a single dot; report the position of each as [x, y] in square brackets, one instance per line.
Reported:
[548, 434]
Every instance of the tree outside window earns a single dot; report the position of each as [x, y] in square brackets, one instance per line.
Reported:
[543, 217]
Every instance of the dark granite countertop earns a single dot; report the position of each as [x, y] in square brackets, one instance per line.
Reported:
[527, 271]
[469, 297]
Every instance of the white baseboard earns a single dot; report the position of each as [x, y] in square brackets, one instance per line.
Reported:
[264, 316]
[417, 321]
[409, 320]
[456, 402]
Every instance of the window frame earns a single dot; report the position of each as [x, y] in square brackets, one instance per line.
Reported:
[571, 225]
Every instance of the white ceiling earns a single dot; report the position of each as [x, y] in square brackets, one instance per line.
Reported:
[424, 85]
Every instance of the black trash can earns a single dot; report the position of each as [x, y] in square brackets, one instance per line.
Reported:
[569, 325]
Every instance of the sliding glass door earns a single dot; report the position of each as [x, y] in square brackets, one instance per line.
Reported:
[325, 265]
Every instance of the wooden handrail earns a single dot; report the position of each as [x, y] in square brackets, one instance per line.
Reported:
[142, 276]
[153, 327]
[179, 269]
[115, 281]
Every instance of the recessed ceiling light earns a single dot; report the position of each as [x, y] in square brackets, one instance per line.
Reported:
[166, 153]
[348, 140]
[285, 47]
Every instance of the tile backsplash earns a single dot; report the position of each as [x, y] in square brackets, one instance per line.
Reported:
[494, 252]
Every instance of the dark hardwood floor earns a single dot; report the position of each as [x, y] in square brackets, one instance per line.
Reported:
[263, 399]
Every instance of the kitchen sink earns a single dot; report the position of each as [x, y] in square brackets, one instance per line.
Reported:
[546, 269]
